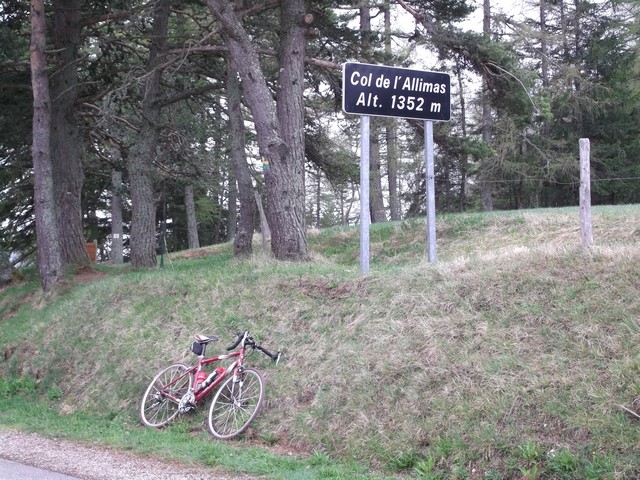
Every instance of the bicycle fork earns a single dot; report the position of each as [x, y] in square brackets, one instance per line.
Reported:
[236, 391]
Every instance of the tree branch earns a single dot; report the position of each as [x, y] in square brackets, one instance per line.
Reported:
[107, 17]
[220, 48]
[187, 94]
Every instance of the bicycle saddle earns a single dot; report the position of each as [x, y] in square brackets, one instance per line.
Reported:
[205, 339]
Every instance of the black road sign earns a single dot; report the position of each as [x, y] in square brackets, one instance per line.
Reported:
[395, 92]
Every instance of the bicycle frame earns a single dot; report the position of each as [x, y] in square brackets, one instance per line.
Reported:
[202, 362]
[239, 355]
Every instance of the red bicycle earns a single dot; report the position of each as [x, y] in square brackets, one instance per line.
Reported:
[178, 388]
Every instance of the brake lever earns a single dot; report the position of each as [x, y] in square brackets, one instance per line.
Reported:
[277, 359]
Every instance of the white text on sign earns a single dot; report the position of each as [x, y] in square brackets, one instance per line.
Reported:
[397, 92]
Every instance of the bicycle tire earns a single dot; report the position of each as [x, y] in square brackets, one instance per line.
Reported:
[236, 404]
[156, 410]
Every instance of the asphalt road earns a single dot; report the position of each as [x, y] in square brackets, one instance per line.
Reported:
[17, 471]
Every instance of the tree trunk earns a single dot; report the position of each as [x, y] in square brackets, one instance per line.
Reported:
[192, 224]
[243, 240]
[49, 258]
[232, 215]
[564, 27]
[544, 50]
[6, 270]
[67, 139]
[143, 210]
[392, 173]
[116, 217]
[391, 133]
[318, 197]
[140, 159]
[286, 199]
[485, 164]
[376, 200]
[487, 125]
[279, 128]
[264, 225]
[365, 31]
[463, 126]
[544, 58]
[218, 151]
[578, 58]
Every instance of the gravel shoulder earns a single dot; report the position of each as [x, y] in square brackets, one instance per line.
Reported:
[96, 462]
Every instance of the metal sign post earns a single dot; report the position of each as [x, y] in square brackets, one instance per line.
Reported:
[430, 191]
[365, 217]
[395, 92]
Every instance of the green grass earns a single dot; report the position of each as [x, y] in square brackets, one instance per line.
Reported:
[508, 358]
[185, 441]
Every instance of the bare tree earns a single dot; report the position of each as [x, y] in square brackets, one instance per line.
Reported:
[116, 217]
[142, 153]
[487, 123]
[192, 224]
[376, 200]
[242, 243]
[279, 125]
[49, 259]
[67, 138]
[391, 131]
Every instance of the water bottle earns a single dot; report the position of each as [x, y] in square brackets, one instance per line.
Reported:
[211, 378]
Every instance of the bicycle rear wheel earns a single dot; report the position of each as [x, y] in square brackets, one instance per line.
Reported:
[160, 401]
[236, 404]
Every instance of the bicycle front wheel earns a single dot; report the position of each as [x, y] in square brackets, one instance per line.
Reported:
[160, 401]
[236, 404]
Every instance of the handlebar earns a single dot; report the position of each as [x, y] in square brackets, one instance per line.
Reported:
[237, 342]
[275, 358]
[247, 340]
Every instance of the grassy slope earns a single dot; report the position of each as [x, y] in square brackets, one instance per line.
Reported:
[508, 358]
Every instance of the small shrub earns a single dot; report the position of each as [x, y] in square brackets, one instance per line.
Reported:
[530, 473]
[318, 459]
[270, 438]
[493, 474]
[443, 447]
[600, 468]
[426, 470]
[563, 463]
[12, 387]
[406, 460]
[54, 394]
[529, 451]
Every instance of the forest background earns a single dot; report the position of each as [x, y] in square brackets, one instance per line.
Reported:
[175, 124]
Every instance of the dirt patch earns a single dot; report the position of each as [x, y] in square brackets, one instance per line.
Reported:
[195, 253]
[12, 305]
[11, 311]
[87, 275]
[329, 289]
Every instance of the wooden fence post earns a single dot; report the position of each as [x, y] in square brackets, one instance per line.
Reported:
[585, 193]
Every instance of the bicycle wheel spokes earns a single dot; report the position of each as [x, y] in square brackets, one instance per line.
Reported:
[236, 404]
[160, 401]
